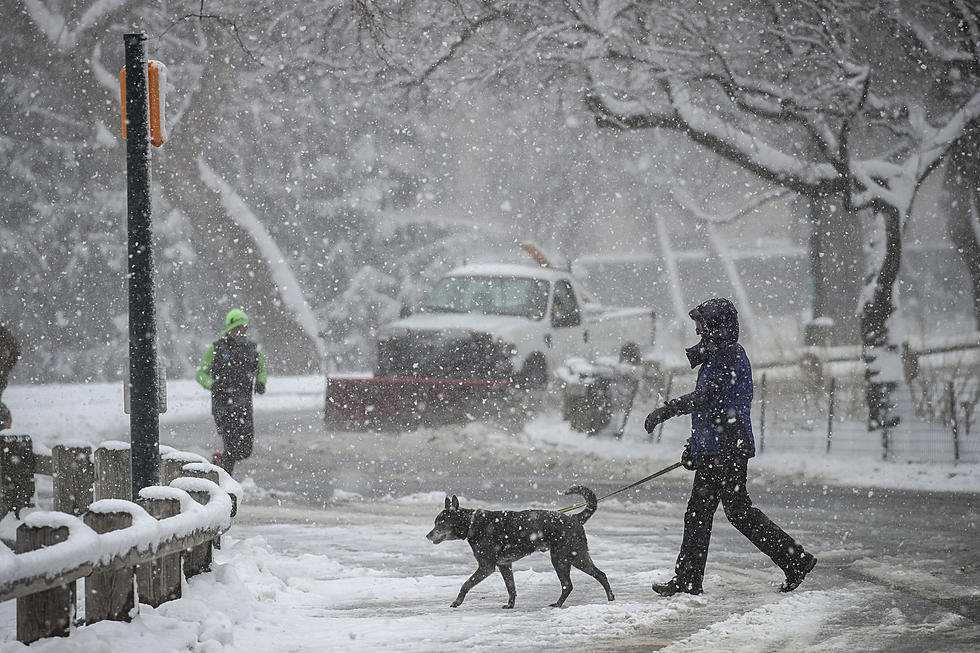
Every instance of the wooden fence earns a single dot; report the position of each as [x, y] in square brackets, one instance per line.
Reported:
[127, 552]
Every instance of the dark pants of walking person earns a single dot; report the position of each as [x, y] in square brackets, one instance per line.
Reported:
[722, 479]
[233, 419]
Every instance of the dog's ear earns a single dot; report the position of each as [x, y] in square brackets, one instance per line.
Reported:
[455, 503]
[447, 503]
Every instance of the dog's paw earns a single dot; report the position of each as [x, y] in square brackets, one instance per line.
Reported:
[509, 606]
[455, 604]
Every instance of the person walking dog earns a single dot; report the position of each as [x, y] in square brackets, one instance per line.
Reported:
[231, 368]
[718, 451]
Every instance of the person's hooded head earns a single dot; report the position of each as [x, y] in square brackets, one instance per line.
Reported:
[236, 319]
[716, 321]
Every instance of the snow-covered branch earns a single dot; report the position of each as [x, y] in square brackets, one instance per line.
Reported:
[685, 201]
[286, 282]
[896, 184]
[55, 26]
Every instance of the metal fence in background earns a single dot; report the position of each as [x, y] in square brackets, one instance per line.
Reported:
[798, 411]
[817, 405]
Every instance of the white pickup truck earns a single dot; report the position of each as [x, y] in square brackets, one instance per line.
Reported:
[485, 327]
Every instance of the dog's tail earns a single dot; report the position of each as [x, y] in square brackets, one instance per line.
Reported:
[591, 503]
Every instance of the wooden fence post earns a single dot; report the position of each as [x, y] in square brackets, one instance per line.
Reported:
[74, 476]
[17, 468]
[159, 581]
[197, 559]
[113, 474]
[48, 613]
[212, 476]
[200, 473]
[172, 466]
[109, 595]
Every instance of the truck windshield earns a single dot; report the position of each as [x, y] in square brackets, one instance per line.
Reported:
[490, 295]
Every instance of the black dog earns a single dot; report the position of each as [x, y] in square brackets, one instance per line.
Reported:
[498, 538]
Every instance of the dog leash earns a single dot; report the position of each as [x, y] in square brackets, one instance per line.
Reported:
[632, 485]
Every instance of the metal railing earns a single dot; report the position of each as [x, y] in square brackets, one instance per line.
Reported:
[816, 403]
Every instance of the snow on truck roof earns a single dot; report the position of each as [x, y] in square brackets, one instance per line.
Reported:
[508, 270]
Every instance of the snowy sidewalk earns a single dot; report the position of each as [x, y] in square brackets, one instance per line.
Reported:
[362, 577]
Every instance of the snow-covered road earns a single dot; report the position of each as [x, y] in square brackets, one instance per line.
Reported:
[328, 552]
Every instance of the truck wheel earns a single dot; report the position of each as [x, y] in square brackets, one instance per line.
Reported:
[590, 412]
[534, 373]
[630, 353]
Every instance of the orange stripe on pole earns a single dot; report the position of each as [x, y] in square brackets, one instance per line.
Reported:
[122, 92]
[154, 91]
[153, 81]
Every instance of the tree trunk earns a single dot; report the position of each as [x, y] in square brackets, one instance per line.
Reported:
[881, 352]
[229, 260]
[963, 205]
[836, 265]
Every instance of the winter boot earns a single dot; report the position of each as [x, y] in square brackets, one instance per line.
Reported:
[796, 575]
[673, 586]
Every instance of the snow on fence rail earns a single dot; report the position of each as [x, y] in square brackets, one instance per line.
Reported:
[97, 534]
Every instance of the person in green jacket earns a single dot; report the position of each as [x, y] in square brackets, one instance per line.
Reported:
[232, 368]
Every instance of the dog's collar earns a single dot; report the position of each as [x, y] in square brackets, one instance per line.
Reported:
[469, 529]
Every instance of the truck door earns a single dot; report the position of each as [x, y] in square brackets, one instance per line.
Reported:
[568, 335]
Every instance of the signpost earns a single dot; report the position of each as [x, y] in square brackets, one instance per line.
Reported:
[144, 419]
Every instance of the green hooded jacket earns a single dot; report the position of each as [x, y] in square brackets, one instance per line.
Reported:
[230, 366]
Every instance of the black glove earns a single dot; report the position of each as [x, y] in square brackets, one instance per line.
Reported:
[259, 388]
[689, 461]
[658, 416]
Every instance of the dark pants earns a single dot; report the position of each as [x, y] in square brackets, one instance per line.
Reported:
[233, 419]
[722, 478]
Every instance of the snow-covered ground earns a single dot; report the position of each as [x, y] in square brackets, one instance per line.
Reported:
[358, 574]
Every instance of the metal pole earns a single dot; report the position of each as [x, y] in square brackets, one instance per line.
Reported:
[762, 415]
[830, 411]
[670, 381]
[144, 419]
[952, 420]
[885, 437]
[814, 334]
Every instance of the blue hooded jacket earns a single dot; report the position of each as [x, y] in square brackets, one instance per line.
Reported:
[722, 399]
